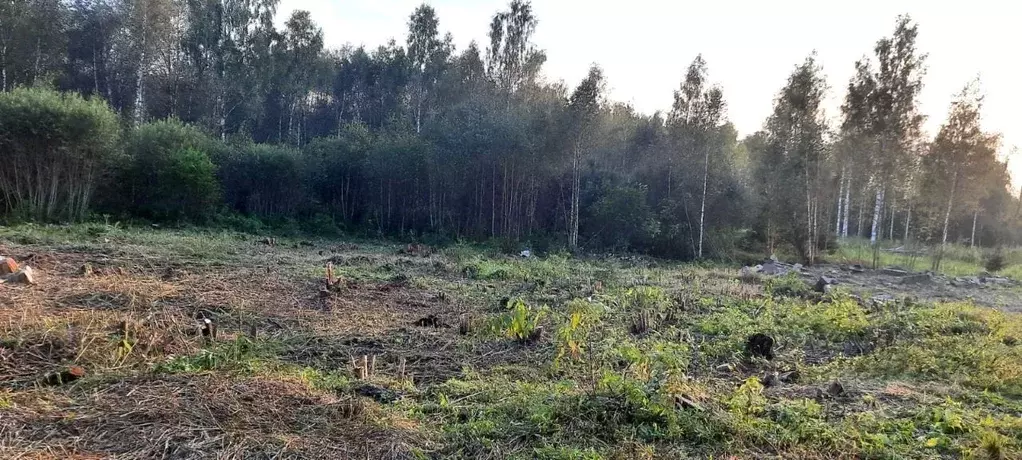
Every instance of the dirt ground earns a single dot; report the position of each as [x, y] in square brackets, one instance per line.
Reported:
[280, 377]
[894, 282]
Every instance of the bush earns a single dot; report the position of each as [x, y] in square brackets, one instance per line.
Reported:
[171, 176]
[334, 164]
[55, 147]
[267, 181]
[995, 262]
[789, 285]
[621, 219]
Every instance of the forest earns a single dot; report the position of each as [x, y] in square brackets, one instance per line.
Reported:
[206, 112]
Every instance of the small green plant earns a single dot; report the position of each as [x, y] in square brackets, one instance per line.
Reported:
[993, 445]
[995, 262]
[521, 322]
[645, 298]
[790, 285]
[748, 398]
[241, 353]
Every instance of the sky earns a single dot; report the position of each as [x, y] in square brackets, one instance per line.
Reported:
[750, 46]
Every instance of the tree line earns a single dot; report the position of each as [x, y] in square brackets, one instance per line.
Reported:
[172, 110]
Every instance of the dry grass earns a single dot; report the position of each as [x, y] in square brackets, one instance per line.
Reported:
[140, 307]
[207, 416]
[446, 383]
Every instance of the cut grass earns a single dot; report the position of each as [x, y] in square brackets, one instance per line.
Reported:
[635, 358]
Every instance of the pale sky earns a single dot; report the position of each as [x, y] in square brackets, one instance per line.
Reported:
[750, 46]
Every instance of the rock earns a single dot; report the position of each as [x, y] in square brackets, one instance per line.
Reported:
[761, 345]
[823, 283]
[775, 268]
[8, 266]
[919, 278]
[882, 299]
[380, 394]
[894, 271]
[431, 321]
[23, 276]
[835, 388]
[790, 376]
[995, 280]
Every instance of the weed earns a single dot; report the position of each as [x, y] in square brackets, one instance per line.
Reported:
[240, 354]
[521, 322]
[789, 285]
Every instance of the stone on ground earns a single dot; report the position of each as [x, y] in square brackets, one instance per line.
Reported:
[823, 284]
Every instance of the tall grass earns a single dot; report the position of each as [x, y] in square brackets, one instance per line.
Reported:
[958, 260]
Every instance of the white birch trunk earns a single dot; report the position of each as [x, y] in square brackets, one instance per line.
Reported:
[140, 80]
[878, 210]
[862, 206]
[139, 96]
[972, 240]
[3, 67]
[840, 203]
[702, 207]
[908, 221]
[890, 234]
[848, 201]
[947, 214]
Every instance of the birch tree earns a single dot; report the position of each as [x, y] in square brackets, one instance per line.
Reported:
[959, 165]
[795, 142]
[694, 123]
[895, 119]
[584, 107]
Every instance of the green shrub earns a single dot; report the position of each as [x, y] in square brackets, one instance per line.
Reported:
[54, 149]
[995, 262]
[521, 322]
[622, 219]
[171, 176]
[265, 181]
[790, 285]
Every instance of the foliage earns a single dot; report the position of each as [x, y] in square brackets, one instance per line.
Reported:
[789, 285]
[521, 321]
[170, 176]
[622, 219]
[920, 379]
[414, 138]
[995, 261]
[56, 148]
[265, 181]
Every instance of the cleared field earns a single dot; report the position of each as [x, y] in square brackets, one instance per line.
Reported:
[461, 352]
